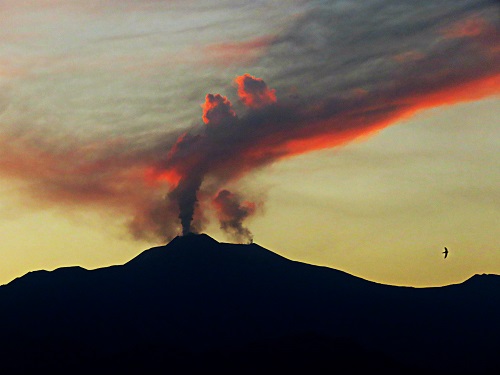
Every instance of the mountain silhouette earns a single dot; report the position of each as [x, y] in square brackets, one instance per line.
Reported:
[196, 305]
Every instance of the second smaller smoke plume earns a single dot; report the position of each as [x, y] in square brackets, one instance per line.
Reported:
[231, 212]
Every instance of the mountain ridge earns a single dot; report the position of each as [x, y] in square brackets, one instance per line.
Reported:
[197, 295]
[159, 250]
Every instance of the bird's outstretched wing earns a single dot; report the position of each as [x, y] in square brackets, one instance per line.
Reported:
[445, 252]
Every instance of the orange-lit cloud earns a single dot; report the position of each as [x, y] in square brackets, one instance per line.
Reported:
[253, 92]
[217, 109]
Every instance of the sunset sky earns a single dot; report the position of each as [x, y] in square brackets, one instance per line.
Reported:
[357, 135]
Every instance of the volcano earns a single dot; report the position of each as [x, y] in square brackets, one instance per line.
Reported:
[200, 305]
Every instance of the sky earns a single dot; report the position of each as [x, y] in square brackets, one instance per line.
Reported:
[356, 135]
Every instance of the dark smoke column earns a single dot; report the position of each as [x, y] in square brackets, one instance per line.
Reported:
[185, 195]
[221, 143]
[192, 156]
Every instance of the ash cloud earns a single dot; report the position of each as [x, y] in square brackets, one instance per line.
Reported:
[253, 92]
[354, 68]
[217, 109]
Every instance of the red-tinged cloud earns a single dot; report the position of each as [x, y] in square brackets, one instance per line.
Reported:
[217, 109]
[467, 28]
[231, 212]
[408, 56]
[241, 52]
[108, 175]
[253, 92]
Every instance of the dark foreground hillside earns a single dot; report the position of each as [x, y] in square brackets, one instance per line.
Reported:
[197, 305]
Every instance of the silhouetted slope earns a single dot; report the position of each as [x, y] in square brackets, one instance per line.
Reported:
[196, 300]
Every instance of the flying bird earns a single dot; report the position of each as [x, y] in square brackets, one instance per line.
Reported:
[445, 252]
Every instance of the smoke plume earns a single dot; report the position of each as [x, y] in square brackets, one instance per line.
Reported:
[231, 212]
[324, 87]
[230, 146]
[219, 151]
